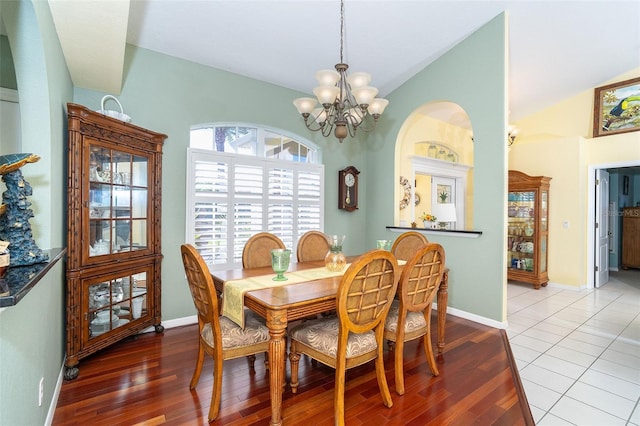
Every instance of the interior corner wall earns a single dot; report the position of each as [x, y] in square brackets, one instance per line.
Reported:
[473, 74]
[32, 338]
[566, 264]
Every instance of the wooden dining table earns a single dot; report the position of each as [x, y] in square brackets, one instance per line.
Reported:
[285, 303]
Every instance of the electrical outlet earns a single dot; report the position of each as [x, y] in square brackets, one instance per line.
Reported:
[40, 392]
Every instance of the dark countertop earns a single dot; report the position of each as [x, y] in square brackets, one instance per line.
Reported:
[21, 279]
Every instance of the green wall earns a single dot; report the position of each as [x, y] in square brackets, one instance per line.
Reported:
[473, 75]
[32, 333]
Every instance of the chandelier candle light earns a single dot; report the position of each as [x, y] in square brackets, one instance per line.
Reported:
[347, 102]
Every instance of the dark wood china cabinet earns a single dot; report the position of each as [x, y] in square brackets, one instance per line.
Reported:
[114, 251]
[528, 228]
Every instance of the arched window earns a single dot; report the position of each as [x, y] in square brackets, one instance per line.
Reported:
[243, 179]
[247, 139]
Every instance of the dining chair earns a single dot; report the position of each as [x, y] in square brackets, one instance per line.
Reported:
[219, 337]
[312, 245]
[410, 315]
[257, 251]
[405, 246]
[355, 335]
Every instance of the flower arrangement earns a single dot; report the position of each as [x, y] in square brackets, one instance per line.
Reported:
[428, 217]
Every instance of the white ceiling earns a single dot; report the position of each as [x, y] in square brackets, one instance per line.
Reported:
[557, 48]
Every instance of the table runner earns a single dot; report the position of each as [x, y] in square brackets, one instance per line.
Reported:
[234, 290]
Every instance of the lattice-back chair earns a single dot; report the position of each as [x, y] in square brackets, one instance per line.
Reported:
[312, 245]
[219, 337]
[406, 245]
[410, 317]
[257, 251]
[355, 335]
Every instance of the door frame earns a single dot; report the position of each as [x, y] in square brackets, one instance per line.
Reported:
[603, 217]
[592, 237]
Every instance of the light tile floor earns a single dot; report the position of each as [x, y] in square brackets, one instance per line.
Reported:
[578, 351]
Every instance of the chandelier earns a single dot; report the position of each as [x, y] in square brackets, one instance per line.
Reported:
[346, 102]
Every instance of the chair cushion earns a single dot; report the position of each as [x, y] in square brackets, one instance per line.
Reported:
[322, 335]
[414, 321]
[234, 336]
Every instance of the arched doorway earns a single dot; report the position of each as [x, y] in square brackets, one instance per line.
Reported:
[434, 165]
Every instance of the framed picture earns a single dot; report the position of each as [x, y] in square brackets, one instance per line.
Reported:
[625, 185]
[617, 108]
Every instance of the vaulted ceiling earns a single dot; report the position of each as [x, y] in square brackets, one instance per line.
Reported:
[556, 48]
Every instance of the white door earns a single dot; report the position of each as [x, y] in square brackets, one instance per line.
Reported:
[602, 228]
[443, 191]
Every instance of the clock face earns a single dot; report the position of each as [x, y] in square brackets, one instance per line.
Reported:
[349, 180]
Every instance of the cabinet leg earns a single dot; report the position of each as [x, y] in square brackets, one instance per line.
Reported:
[71, 373]
[159, 328]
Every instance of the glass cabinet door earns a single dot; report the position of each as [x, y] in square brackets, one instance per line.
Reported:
[521, 230]
[544, 228]
[118, 201]
[115, 302]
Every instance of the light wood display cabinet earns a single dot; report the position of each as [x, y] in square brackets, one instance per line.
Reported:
[113, 235]
[528, 228]
[630, 237]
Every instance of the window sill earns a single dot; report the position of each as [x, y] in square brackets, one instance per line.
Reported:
[448, 232]
[21, 279]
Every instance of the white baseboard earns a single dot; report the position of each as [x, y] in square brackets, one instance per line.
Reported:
[477, 318]
[567, 286]
[473, 317]
[56, 395]
[178, 322]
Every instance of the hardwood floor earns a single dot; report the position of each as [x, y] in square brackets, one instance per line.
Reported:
[144, 380]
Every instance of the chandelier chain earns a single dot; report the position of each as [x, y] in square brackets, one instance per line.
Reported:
[341, 31]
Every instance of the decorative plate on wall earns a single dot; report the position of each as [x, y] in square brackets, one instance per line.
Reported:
[407, 193]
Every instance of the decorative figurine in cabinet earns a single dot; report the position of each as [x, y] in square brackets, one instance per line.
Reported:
[528, 228]
[114, 250]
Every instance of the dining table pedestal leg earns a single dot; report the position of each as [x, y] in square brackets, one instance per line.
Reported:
[277, 324]
[443, 299]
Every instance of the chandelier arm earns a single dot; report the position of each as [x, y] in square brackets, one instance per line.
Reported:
[323, 128]
[326, 131]
[351, 129]
[310, 124]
